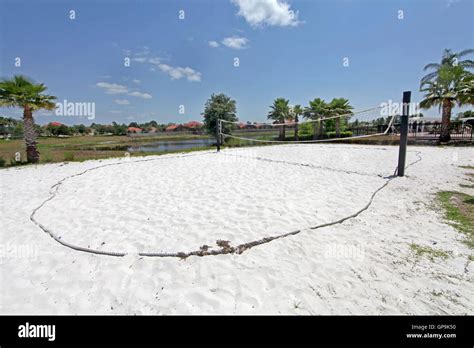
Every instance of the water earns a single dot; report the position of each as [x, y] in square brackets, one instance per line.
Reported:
[171, 145]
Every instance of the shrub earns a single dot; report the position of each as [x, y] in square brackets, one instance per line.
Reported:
[2, 162]
[343, 134]
[305, 130]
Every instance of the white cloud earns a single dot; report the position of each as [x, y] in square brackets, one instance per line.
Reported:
[213, 44]
[177, 73]
[136, 81]
[112, 88]
[144, 52]
[267, 12]
[235, 42]
[122, 101]
[155, 60]
[140, 95]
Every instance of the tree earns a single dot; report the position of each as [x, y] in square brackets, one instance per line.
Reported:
[279, 112]
[338, 107]
[316, 110]
[465, 114]
[450, 59]
[453, 85]
[296, 111]
[220, 107]
[23, 92]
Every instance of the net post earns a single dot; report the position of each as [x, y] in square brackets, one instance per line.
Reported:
[218, 138]
[402, 152]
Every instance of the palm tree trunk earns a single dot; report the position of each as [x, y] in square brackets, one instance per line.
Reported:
[282, 133]
[316, 126]
[338, 126]
[444, 135]
[296, 128]
[29, 133]
[321, 129]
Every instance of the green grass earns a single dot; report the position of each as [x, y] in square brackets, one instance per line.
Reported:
[82, 148]
[459, 212]
[429, 252]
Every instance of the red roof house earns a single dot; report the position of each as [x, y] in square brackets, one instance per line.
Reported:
[193, 125]
[134, 130]
[56, 124]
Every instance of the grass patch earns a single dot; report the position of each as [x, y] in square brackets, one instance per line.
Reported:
[430, 253]
[459, 211]
[83, 148]
[69, 156]
[467, 167]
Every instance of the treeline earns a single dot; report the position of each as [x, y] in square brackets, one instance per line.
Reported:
[13, 128]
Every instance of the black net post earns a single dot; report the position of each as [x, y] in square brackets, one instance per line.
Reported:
[402, 152]
[218, 138]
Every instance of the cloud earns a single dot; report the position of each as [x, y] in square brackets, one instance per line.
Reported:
[267, 12]
[177, 73]
[140, 59]
[136, 81]
[113, 88]
[122, 101]
[155, 60]
[235, 42]
[213, 44]
[449, 3]
[140, 95]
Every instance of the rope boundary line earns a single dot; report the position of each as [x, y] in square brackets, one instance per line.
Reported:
[225, 247]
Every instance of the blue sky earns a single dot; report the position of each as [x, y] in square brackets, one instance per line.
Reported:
[292, 49]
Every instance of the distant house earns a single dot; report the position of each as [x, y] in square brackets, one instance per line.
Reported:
[193, 125]
[152, 130]
[246, 126]
[134, 130]
[175, 128]
[56, 124]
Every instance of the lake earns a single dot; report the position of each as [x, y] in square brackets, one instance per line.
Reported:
[171, 145]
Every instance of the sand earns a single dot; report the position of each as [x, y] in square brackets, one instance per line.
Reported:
[180, 202]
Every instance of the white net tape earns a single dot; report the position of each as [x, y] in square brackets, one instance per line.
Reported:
[370, 121]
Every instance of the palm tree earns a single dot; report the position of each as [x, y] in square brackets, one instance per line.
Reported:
[451, 59]
[279, 112]
[338, 107]
[22, 92]
[453, 85]
[297, 111]
[317, 109]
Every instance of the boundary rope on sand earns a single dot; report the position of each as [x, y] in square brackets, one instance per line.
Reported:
[225, 247]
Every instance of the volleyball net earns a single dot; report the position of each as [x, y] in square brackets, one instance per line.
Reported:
[313, 129]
